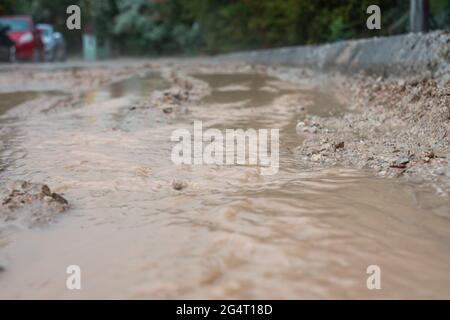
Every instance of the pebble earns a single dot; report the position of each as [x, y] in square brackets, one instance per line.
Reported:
[312, 130]
[439, 172]
[179, 185]
[168, 110]
[400, 162]
[339, 145]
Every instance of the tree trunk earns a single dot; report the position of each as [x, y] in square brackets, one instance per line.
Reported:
[419, 15]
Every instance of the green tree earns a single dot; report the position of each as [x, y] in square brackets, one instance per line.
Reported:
[213, 26]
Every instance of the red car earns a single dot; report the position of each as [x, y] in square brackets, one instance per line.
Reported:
[26, 37]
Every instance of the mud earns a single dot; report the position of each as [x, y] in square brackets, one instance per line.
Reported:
[398, 129]
[30, 203]
[141, 227]
[10, 100]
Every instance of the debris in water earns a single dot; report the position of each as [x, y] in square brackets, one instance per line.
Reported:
[339, 145]
[179, 185]
[175, 97]
[59, 199]
[316, 157]
[34, 201]
[400, 163]
[301, 109]
[168, 110]
[428, 156]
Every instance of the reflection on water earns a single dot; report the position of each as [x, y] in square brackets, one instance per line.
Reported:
[231, 233]
[135, 86]
[229, 88]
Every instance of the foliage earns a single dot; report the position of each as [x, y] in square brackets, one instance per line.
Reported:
[175, 26]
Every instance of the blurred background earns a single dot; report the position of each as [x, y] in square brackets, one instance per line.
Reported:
[188, 27]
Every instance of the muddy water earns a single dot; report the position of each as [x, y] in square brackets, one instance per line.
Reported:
[9, 100]
[135, 86]
[231, 233]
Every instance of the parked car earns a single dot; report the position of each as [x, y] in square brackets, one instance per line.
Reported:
[7, 46]
[27, 39]
[54, 44]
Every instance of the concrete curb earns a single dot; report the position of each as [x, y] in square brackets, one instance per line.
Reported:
[403, 55]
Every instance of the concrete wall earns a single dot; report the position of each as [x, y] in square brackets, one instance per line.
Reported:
[402, 55]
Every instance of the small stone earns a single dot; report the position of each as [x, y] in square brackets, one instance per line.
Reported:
[439, 172]
[46, 190]
[168, 110]
[313, 130]
[400, 163]
[179, 185]
[58, 198]
[430, 155]
[300, 126]
[339, 145]
[24, 193]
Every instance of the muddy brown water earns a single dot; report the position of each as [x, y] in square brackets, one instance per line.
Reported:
[135, 86]
[231, 233]
[9, 100]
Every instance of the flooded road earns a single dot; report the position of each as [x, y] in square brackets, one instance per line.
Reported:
[231, 233]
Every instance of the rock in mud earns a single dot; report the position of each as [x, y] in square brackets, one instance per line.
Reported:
[400, 163]
[31, 202]
[339, 145]
[389, 134]
[428, 156]
[176, 97]
[3, 264]
[168, 110]
[179, 185]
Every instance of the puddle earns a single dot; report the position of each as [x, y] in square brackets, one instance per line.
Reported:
[229, 88]
[231, 233]
[135, 86]
[11, 99]
[257, 90]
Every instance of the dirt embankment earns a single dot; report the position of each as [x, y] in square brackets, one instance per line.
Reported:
[398, 129]
[397, 92]
[401, 56]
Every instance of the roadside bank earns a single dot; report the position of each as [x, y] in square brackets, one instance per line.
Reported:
[397, 92]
